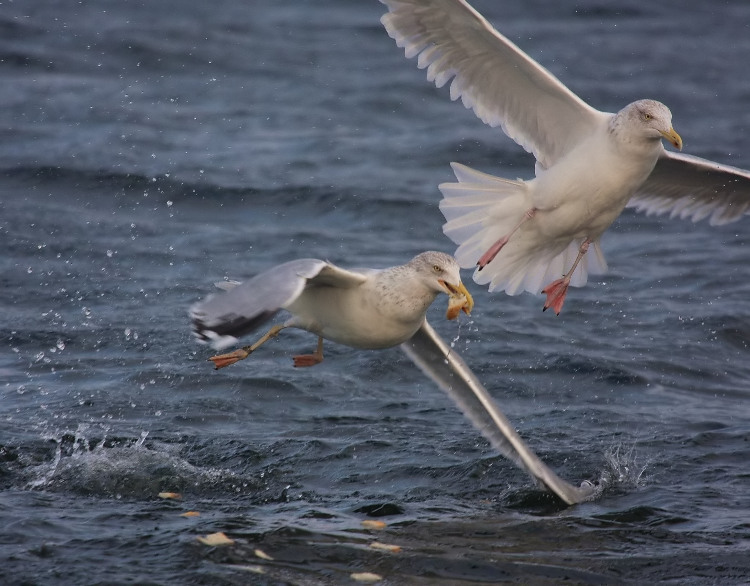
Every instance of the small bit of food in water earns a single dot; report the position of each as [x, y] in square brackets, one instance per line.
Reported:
[372, 524]
[216, 539]
[262, 555]
[170, 495]
[385, 547]
[366, 577]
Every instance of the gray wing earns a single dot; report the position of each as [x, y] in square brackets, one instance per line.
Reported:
[222, 318]
[446, 368]
[690, 187]
[504, 86]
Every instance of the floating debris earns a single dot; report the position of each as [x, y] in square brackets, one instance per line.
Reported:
[246, 568]
[216, 539]
[190, 514]
[370, 524]
[385, 547]
[366, 577]
[262, 555]
[170, 495]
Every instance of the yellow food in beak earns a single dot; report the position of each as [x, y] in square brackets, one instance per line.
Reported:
[459, 299]
[673, 137]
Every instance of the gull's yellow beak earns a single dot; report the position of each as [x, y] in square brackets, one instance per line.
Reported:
[673, 137]
[460, 299]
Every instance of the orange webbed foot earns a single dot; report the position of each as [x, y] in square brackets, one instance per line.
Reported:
[305, 360]
[222, 360]
[556, 292]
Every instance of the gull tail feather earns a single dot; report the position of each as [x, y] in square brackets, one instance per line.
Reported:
[528, 268]
[448, 370]
[480, 209]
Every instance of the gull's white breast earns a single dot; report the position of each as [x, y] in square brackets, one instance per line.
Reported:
[359, 317]
[584, 192]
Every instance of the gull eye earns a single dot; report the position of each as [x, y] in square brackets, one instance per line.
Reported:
[647, 116]
[437, 268]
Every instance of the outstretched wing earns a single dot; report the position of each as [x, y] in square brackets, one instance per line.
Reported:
[446, 368]
[222, 318]
[690, 187]
[504, 86]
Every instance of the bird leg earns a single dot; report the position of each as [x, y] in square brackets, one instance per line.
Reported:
[316, 357]
[557, 290]
[223, 360]
[492, 251]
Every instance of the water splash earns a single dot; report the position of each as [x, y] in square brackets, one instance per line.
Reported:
[622, 467]
[89, 462]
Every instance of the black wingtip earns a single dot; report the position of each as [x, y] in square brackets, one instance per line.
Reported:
[229, 325]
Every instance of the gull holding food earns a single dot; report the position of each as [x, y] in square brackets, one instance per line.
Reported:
[523, 235]
[365, 308]
[371, 309]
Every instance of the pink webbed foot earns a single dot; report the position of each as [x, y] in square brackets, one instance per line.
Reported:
[223, 360]
[556, 292]
[304, 360]
[493, 250]
[491, 253]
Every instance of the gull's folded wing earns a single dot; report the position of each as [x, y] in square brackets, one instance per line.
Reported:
[243, 307]
[446, 368]
[690, 187]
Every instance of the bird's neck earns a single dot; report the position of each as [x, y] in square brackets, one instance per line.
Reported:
[405, 299]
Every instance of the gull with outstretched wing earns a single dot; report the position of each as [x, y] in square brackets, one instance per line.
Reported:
[544, 234]
[371, 309]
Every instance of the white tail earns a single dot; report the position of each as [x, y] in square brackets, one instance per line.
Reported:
[480, 209]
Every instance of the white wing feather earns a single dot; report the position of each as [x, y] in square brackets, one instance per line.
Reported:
[491, 75]
[690, 187]
[446, 368]
[221, 319]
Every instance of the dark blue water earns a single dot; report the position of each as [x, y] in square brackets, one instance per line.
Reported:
[151, 148]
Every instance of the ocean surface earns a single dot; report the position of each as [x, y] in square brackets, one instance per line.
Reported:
[151, 148]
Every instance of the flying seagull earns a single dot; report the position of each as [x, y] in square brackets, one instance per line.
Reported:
[369, 308]
[522, 235]
[365, 308]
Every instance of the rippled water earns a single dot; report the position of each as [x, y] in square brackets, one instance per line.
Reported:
[153, 148]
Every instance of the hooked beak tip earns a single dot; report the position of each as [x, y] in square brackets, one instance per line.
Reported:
[674, 138]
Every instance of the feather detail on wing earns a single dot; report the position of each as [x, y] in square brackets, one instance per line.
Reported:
[491, 75]
[223, 318]
[690, 187]
[446, 368]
